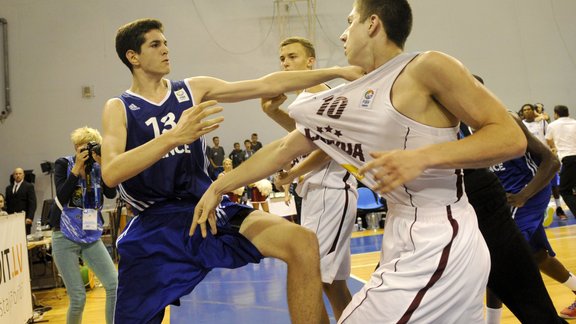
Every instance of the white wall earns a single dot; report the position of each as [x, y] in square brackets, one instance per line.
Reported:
[524, 49]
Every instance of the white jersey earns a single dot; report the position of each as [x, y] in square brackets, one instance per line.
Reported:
[537, 128]
[332, 176]
[350, 121]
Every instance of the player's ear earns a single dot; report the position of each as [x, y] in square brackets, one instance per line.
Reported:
[310, 62]
[132, 57]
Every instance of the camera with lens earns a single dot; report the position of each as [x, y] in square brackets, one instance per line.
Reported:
[91, 147]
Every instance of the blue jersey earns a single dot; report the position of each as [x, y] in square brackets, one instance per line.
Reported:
[517, 173]
[180, 174]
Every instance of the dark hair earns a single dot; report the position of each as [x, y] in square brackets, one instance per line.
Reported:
[215, 137]
[131, 37]
[248, 141]
[396, 16]
[528, 105]
[561, 111]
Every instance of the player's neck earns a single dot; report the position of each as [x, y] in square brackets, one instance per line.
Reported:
[382, 57]
[150, 88]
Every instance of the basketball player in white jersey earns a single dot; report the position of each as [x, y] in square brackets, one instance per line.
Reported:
[397, 126]
[328, 192]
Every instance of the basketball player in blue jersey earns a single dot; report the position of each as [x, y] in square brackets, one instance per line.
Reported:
[154, 150]
[527, 182]
[396, 129]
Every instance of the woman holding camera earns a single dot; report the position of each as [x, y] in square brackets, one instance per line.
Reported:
[76, 220]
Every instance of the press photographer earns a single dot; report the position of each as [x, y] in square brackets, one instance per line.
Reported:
[77, 222]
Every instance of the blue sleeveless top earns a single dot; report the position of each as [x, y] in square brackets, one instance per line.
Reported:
[515, 174]
[180, 174]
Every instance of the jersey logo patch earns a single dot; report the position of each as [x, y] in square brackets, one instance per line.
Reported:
[181, 95]
[367, 98]
[133, 107]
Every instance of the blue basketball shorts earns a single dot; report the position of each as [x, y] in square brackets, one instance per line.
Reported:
[160, 262]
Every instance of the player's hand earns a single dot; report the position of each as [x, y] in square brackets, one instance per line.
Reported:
[270, 105]
[391, 169]
[205, 211]
[287, 199]
[516, 200]
[192, 123]
[281, 179]
[352, 72]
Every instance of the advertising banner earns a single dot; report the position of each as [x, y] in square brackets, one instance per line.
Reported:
[15, 293]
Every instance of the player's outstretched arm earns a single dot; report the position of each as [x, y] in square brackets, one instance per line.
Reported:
[271, 85]
[260, 165]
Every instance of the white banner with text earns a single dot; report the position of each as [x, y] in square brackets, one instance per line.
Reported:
[15, 292]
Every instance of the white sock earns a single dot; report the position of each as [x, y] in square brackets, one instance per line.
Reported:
[493, 315]
[557, 201]
[571, 282]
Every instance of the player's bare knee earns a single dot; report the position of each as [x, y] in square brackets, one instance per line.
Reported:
[304, 246]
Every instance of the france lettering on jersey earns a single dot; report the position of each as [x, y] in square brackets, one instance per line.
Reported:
[352, 120]
[180, 174]
[515, 174]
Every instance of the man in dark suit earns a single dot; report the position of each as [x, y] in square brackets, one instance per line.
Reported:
[21, 197]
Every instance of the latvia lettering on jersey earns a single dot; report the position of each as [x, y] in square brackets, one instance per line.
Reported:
[352, 120]
[180, 174]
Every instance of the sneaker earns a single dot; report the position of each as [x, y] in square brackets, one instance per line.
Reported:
[569, 312]
[560, 213]
[548, 217]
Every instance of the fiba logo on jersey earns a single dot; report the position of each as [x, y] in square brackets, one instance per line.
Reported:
[367, 98]
[181, 95]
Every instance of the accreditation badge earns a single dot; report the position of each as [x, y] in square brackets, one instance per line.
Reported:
[89, 219]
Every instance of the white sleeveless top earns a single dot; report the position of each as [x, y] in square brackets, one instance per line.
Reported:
[352, 120]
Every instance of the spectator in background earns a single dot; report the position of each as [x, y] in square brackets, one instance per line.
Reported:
[255, 144]
[248, 151]
[234, 195]
[21, 197]
[77, 222]
[540, 113]
[561, 138]
[216, 156]
[236, 155]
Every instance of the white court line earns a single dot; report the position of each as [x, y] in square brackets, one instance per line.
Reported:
[357, 278]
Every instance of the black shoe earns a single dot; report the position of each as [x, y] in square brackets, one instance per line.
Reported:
[560, 213]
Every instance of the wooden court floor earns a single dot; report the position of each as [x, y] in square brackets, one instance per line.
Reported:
[562, 239]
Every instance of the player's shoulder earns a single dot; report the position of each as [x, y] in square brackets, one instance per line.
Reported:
[433, 61]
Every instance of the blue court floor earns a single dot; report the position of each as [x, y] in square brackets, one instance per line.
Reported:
[256, 293]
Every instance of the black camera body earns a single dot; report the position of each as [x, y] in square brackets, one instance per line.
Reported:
[91, 147]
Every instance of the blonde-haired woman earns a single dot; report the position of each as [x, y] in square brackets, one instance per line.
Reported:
[235, 195]
[76, 219]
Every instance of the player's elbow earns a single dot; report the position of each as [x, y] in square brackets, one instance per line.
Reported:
[516, 143]
[109, 179]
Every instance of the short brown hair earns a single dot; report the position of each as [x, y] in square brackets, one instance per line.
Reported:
[308, 46]
[396, 15]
